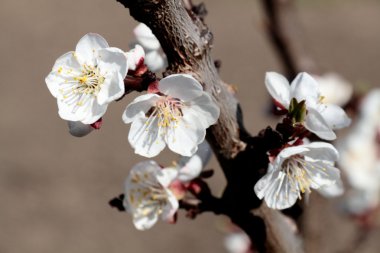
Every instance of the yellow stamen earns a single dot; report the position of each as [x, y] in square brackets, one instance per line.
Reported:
[322, 99]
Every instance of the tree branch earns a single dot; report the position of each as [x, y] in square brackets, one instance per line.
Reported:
[187, 42]
[286, 35]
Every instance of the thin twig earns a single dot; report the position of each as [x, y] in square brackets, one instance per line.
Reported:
[284, 30]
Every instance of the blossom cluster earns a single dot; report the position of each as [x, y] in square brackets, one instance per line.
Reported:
[299, 166]
[152, 192]
[175, 112]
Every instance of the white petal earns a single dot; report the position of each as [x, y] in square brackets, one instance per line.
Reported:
[68, 62]
[53, 80]
[333, 190]
[334, 116]
[304, 87]
[87, 113]
[166, 176]
[155, 61]
[287, 195]
[87, 47]
[321, 173]
[288, 152]
[112, 89]
[145, 37]
[145, 137]
[78, 129]
[96, 112]
[316, 124]
[279, 193]
[170, 208]
[262, 185]
[370, 105]
[59, 74]
[185, 142]
[184, 139]
[145, 221]
[65, 111]
[148, 167]
[182, 86]
[322, 151]
[204, 109]
[278, 87]
[139, 107]
[334, 88]
[135, 56]
[190, 168]
[112, 59]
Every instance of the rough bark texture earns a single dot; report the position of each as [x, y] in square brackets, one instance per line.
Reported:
[187, 42]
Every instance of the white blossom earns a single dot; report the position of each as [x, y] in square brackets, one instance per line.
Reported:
[147, 194]
[297, 170]
[177, 116]
[321, 118]
[152, 192]
[87, 80]
[191, 167]
[154, 58]
[360, 156]
[135, 57]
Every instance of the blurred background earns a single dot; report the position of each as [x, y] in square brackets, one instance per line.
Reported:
[54, 188]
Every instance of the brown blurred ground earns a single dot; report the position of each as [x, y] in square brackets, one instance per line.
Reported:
[54, 188]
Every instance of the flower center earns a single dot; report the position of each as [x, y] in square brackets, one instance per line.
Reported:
[79, 87]
[148, 195]
[295, 169]
[322, 100]
[90, 81]
[168, 111]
